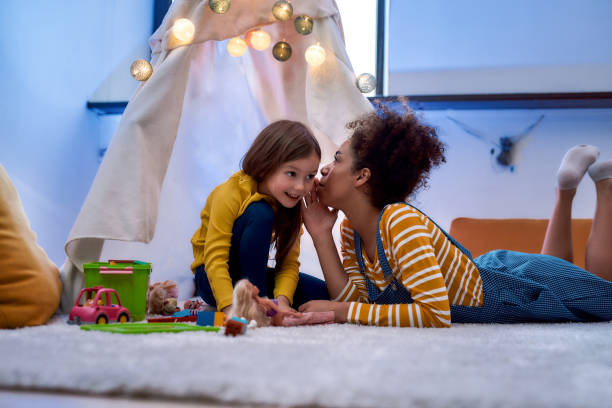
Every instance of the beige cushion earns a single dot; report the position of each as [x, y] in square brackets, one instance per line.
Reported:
[30, 287]
[480, 235]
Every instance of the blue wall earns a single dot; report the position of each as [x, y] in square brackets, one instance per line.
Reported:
[53, 57]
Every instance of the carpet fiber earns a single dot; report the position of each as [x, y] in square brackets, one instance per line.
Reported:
[535, 365]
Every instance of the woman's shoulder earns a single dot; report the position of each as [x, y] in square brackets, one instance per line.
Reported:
[401, 213]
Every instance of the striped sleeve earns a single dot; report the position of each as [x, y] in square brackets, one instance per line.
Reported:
[355, 289]
[414, 262]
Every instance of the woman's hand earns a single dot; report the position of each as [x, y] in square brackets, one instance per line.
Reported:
[340, 309]
[318, 218]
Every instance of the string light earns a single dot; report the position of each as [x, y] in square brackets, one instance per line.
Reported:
[141, 69]
[282, 51]
[219, 6]
[183, 30]
[236, 46]
[366, 83]
[282, 10]
[315, 55]
[258, 39]
[303, 24]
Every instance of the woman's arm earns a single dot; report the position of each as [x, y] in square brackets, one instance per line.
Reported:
[417, 270]
[319, 221]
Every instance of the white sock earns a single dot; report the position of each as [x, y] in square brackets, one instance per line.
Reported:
[574, 165]
[601, 170]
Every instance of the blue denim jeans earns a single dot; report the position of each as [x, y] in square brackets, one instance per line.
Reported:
[248, 258]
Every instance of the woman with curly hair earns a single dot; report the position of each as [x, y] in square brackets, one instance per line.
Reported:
[399, 268]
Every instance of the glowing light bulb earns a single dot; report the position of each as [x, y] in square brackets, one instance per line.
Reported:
[236, 46]
[258, 39]
[282, 51]
[282, 10]
[366, 83]
[303, 24]
[141, 69]
[219, 6]
[183, 30]
[315, 55]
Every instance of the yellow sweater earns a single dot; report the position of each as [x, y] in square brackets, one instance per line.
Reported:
[211, 242]
[435, 272]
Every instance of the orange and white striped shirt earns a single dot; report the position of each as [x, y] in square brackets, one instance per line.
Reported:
[433, 270]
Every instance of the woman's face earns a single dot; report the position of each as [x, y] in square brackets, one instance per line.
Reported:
[337, 178]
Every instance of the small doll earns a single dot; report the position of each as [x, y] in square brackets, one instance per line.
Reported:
[162, 298]
[191, 304]
[247, 303]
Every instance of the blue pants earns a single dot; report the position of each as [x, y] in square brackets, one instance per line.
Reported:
[248, 258]
[521, 287]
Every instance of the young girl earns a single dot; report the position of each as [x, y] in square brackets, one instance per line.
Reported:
[401, 269]
[255, 207]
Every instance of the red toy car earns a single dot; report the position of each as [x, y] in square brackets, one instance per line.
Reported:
[98, 305]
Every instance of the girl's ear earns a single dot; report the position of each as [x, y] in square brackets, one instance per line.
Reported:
[363, 175]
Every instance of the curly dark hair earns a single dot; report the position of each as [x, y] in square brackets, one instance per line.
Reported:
[399, 151]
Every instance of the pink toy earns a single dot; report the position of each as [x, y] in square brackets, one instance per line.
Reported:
[98, 305]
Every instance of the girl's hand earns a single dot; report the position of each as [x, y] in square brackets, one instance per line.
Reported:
[340, 309]
[318, 218]
[284, 307]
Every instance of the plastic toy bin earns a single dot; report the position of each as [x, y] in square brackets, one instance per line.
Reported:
[129, 278]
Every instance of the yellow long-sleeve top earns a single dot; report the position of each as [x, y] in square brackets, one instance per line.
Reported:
[433, 270]
[211, 242]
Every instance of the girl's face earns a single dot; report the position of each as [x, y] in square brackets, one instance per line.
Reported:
[291, 181]
[336, 178]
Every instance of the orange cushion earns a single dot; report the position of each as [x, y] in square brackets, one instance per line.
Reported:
[30, 286]
[481, 235]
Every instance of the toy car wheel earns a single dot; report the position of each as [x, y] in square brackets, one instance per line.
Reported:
[102, 319]
[123, 318]
[77, 320]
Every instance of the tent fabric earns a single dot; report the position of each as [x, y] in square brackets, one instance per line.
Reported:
[186, 128]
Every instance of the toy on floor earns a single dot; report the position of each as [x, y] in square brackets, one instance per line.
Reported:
[146, 328]
[180, 316]
[247, 303]
[98, 305]
[162, 298]
[191, 304]
[210, 318]
[236, 326]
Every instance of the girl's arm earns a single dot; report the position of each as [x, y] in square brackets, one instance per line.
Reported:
[224, 207]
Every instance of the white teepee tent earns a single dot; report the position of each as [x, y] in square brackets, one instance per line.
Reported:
[186, 128]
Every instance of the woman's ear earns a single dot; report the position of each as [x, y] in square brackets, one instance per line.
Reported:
[363, 175]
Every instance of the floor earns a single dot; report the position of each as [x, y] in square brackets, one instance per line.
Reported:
[35, 399]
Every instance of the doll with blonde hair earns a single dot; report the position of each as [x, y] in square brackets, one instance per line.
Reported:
[247, 303]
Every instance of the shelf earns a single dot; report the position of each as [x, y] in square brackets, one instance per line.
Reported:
[584, 100]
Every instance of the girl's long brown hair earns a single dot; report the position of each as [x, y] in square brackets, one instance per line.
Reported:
[278, 143]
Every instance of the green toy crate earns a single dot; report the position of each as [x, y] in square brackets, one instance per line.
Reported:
[129, 278]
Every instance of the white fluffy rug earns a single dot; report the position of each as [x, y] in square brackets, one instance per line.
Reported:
[527, 365]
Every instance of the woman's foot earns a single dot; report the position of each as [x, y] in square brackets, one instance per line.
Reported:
[574, 165]
[601, 170]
